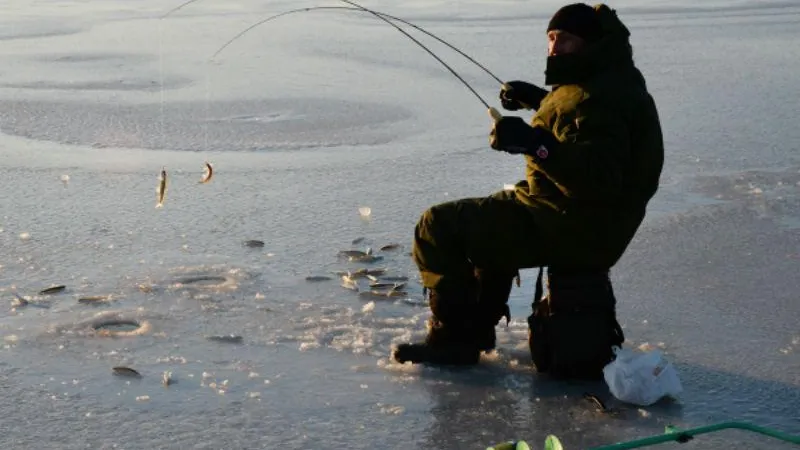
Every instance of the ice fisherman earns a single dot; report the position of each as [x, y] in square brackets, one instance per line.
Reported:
[594, 154]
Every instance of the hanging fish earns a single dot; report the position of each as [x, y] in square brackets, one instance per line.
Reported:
[208, 172]
[161, 190]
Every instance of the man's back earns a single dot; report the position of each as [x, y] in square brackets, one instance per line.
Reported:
[591, 196]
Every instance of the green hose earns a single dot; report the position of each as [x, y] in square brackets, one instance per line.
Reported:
[672, 434]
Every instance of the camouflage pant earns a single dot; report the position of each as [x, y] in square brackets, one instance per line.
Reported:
[497, 233]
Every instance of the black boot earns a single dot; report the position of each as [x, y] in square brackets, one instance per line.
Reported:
[494, 288]
[453, 337]
[444, 345]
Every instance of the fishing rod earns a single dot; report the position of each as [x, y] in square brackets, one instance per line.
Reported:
[352, 8]
[492, 111]
[164, 16]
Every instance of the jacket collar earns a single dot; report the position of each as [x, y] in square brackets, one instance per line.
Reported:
[609, 53]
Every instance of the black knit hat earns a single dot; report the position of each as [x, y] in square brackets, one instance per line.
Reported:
[579, 19]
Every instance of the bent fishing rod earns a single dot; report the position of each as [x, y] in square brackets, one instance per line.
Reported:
[351, 8]
[384, 17]
[493, 113]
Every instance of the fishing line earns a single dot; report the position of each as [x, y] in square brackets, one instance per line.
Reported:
[207, 108]
[492, 111]
[161, 83]
[161, 77]
[177, 8]
[349, 2]
[352, 8]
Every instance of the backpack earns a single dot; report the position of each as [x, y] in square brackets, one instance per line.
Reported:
[572, 330]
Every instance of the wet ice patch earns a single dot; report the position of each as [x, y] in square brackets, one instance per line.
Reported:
[293, 123]
[750, 184]
[37, 29]
[117, 84]
[771, 195]
[268, 117]
[108, 324]
[346, 329]
[199, 282]
[103, 59]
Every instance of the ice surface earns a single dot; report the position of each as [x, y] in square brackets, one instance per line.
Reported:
[306, 120]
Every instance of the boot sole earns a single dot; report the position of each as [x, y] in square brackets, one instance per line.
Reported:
[448, 356]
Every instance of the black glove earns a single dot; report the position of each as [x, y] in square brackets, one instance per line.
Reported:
[512, 135]
[516, 95]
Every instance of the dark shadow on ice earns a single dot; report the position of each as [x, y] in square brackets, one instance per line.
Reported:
[481, 406]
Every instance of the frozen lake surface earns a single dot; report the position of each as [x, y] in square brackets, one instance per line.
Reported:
[305, 120]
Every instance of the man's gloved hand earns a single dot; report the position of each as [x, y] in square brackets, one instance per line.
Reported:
[515, 95]
[513, 135]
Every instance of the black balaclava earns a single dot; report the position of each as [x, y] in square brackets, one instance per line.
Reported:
[579, 19]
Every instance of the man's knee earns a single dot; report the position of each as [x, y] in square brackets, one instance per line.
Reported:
[442, 212]
[445, 221]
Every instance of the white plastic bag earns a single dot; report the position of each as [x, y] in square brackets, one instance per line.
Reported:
[641, 378]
